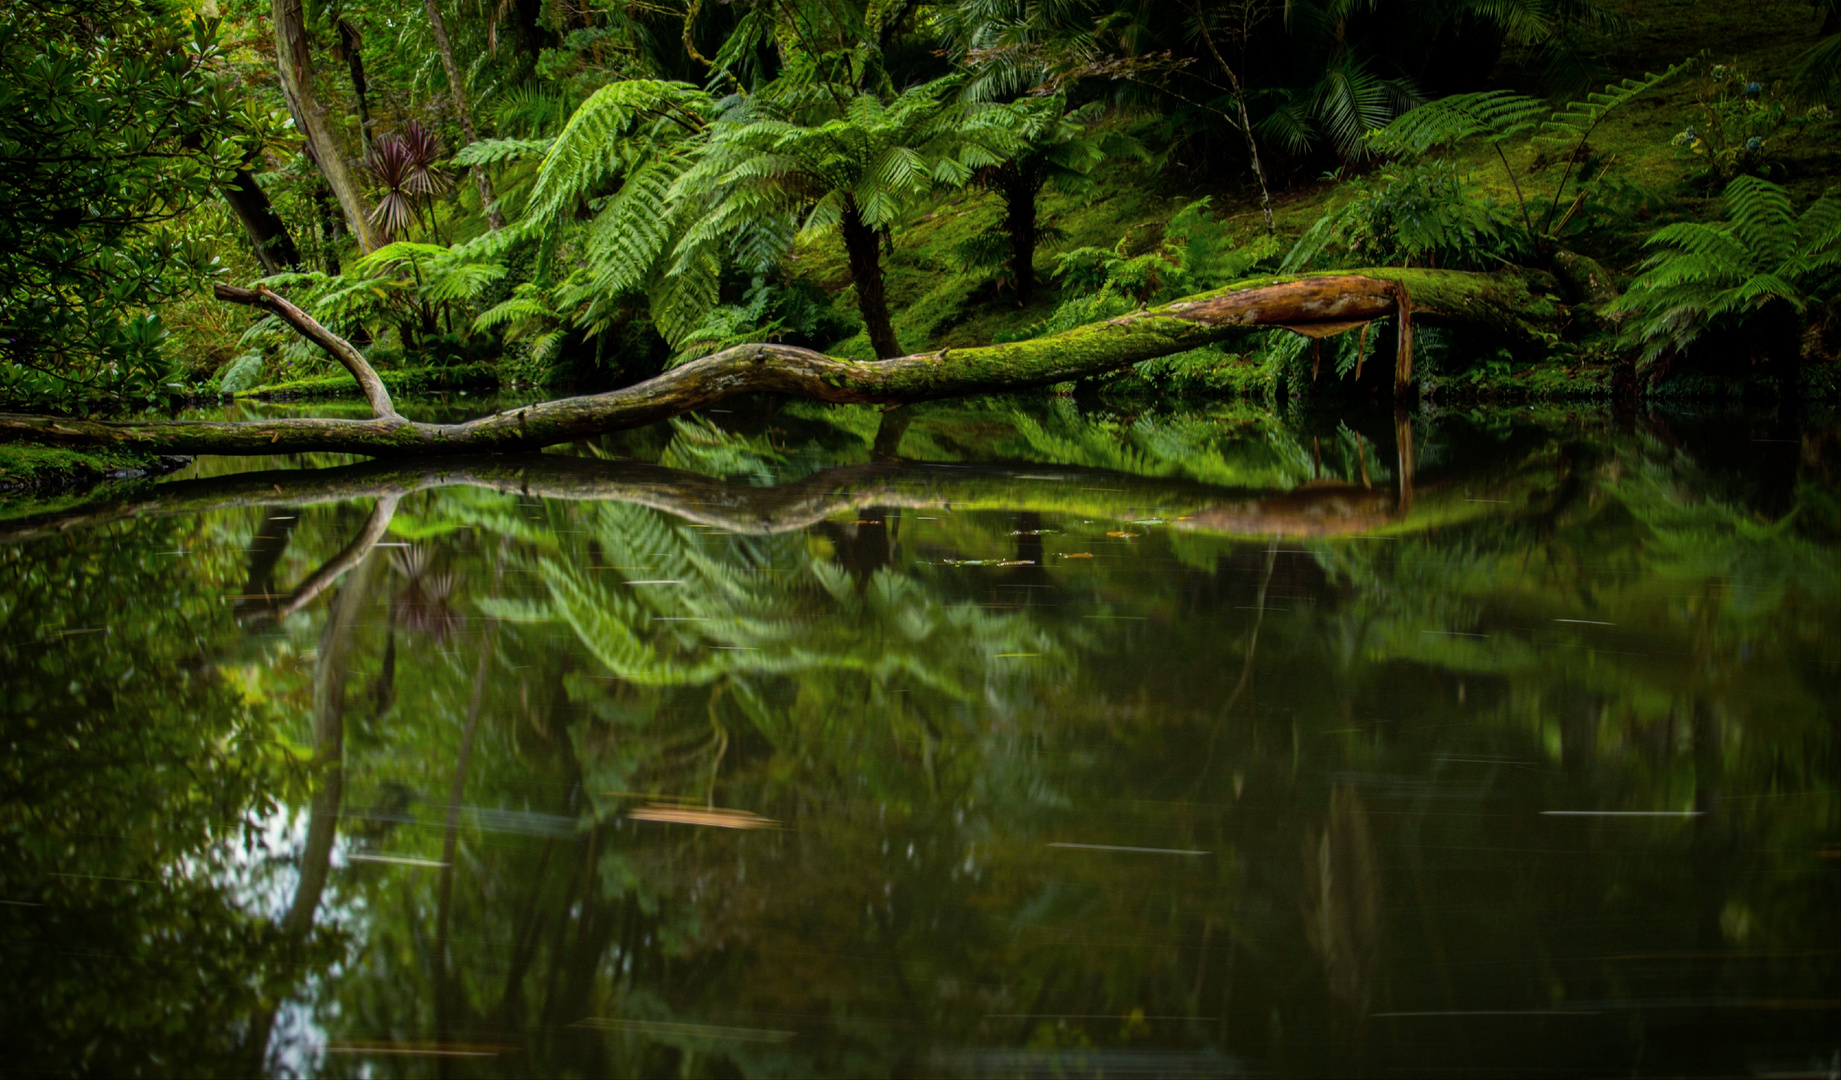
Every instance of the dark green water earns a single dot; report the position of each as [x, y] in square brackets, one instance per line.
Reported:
[986, 739]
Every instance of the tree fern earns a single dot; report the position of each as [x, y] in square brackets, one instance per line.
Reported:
[1706, 275]
[592, 147]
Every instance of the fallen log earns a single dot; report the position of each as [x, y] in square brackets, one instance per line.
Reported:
[1513, 303]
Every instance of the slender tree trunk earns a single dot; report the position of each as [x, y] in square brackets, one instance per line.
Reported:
[458, 88]
[1020, 222]
[864, 250]
[298, 87]
[268, 234]
[329, 671]
[351, 44]
[329, 229]
[1245, 123]
[449, 1003]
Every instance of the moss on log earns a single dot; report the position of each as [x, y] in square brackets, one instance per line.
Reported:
[1512, 304]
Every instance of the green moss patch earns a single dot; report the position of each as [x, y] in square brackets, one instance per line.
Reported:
[403, 380]
[28, 468]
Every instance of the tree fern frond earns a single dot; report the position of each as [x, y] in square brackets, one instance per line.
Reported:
[1575, 121]
[683, 296]
[397, 254]
[588, 152]
[1761, 217]
[460, 281]
[498, 151]
[527, 303]
[1491, 114]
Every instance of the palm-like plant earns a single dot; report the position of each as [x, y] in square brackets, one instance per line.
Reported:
[809, 153]
[1055, 145]
[404, 166]
[1708, 274]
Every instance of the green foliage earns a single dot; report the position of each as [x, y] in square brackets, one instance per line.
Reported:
[799, 314]
[1490, 115]
[245, 372]
[1348, 102]
[115, 123]
[1817, 74]
[1195, 253]
[1741, 126]
[1494, 117]
[1570, 126]
[1419, 213]
[1707, 275]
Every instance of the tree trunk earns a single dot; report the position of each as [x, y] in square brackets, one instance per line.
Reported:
[297, 86]
[268, 234]
[527, 17]
[351, 45]
[329, 229]
[860, 244]
[1020, 222]
[1506, 304]
[487, 200]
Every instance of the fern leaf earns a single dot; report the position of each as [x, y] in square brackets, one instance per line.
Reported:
[1491, 114]
[1574, 122]
[498, 151]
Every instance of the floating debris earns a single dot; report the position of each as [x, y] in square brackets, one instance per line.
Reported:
[700, 815]
[681, 1030]
[396, 860]
[1134, 850]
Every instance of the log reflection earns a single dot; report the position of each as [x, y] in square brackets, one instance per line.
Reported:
[1319, 509]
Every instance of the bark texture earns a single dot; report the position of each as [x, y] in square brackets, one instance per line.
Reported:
[299, 88]
[1510, 304]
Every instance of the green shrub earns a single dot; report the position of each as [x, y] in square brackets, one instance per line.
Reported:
[1419, 213]
[1720, 275]
[1741, 127]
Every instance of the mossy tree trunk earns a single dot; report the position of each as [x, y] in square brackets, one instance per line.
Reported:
[1509, 304]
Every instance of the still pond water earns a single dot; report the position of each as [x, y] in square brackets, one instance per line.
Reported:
[994, 738]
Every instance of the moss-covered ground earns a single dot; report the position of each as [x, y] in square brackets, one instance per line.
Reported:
[939, 301]
[42, 469]
[399, 380]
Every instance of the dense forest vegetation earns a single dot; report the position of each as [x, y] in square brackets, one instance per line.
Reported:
[574, 197]
[817, 736]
